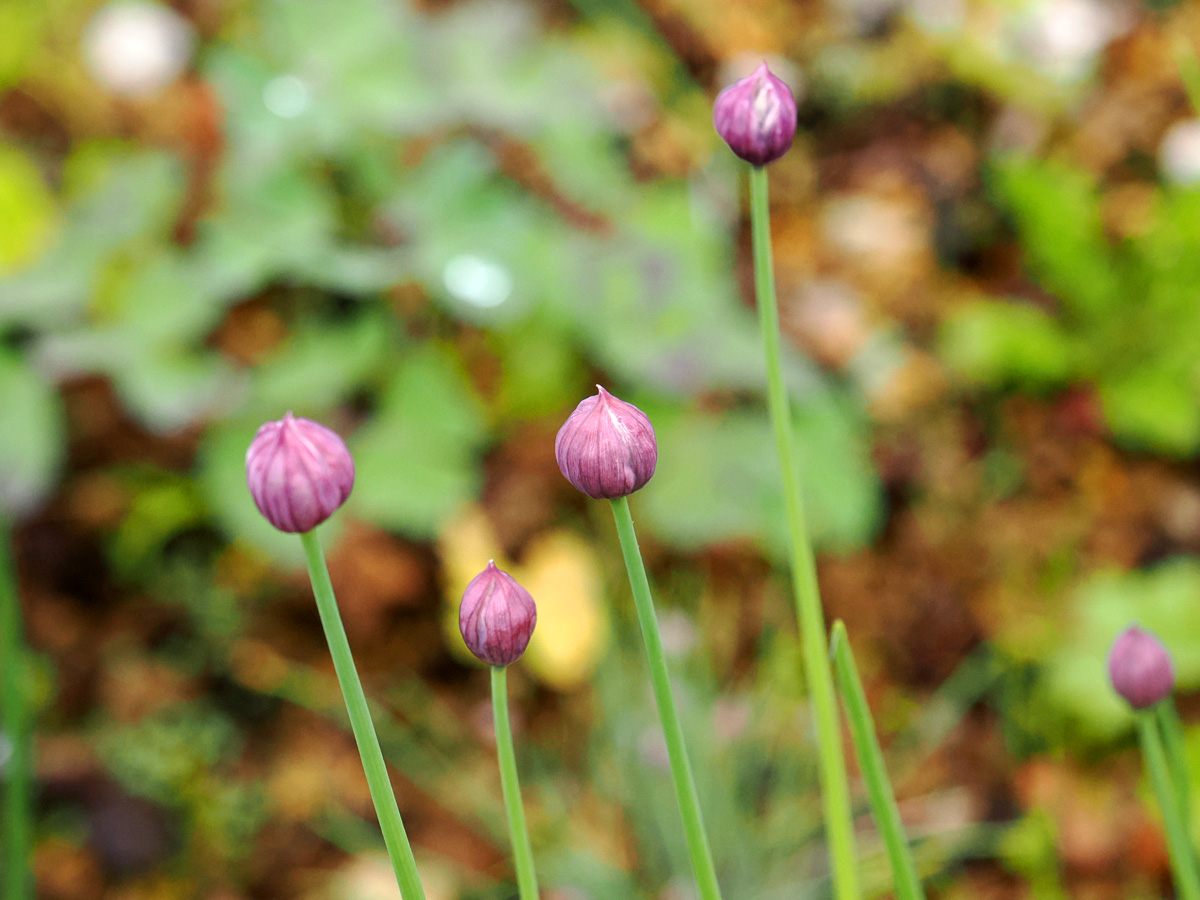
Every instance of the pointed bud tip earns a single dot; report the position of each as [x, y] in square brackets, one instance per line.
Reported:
[756, 117]
[496, 617]
[299, 473]
[606, 448]
[1140, 668]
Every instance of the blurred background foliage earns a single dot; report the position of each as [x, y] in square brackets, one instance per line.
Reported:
[435, 226]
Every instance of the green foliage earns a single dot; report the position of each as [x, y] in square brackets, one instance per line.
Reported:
[750, 779]
[1127, 320]
[419, 455]
[164, 506]
[162, 757]
[718, 477]
[311, 183]
[32, 436]
[26, 207]
[996, 343]
[182, 758]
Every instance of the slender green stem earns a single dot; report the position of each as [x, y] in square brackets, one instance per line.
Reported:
[870, 758]
[681, 769]
[1183, 858]
[839, 824]
[522, 851]
[1172, 732]
[15, 717]
[1189, 69]
[394, 836]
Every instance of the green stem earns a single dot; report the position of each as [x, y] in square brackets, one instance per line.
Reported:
[839, 824]
[681, 769]
[1183, 859]
[870, 758]
[394, 836]
[522, 851]
[1172, 732]
[14, 714]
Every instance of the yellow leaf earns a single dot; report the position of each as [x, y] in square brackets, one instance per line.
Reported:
[26, 209]
[573, 629]
[562, 574]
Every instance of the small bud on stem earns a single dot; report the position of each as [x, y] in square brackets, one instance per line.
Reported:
[606, 448]
[1140, 668]
[496, 617]
[299, 473]
[756, 117]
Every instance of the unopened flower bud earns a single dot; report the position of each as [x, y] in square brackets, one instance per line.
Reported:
[756, 117]
[496, 617]
[299, 473]
[606, 448]
[1140, 668]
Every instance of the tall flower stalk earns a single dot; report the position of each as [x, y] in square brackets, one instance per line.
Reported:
[660, 679]
[496, 619]
[14, 717]
[1183, 857]
[757, 118]
[607, 450]
[1143, 673]
[510, 786]
[299, 474]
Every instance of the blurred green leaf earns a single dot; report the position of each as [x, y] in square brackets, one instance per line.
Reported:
[32, 436]
[541, 372]
[1129, 324]
[158, 511]
[164, 756]
[321, 363]
[1057, 213]
[168, 390]
[1153, 409]
[269, 224]
[417, 461]
[26, 209]
[718, 478]
[992, 343]
[120, 205]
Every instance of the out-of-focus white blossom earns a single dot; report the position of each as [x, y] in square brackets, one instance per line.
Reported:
[135, 48]
[287, 96]
[1179, 152]
[1063, 37]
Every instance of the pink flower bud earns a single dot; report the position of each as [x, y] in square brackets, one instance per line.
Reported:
[1140, 668]
[496, 617]
[756, 117]
[606, 448]
[299, 473]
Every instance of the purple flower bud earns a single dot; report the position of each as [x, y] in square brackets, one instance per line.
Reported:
[606, 448]
[756, 117]
[299, 473]
[1140, 668]
[496, 617]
